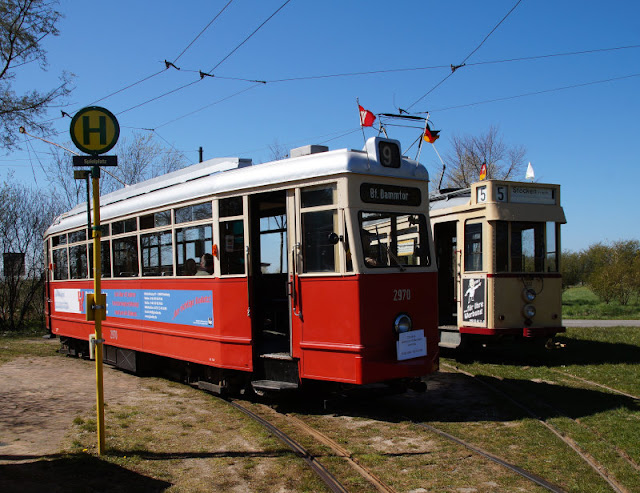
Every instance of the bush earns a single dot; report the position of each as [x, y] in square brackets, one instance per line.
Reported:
[613, 271]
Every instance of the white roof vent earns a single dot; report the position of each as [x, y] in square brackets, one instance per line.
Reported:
[307, 150]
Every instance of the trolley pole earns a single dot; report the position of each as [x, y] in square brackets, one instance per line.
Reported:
[95, 130]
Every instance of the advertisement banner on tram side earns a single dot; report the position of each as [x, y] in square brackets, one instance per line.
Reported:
[171, 306]
[473, 303]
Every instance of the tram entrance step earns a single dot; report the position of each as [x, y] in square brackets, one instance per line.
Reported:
[273, 385]
[449, 339]
[282, 356]
[211, 387]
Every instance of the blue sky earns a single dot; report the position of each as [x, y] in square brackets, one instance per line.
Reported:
[582, 137]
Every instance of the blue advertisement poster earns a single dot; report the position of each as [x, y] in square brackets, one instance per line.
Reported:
[168, 306]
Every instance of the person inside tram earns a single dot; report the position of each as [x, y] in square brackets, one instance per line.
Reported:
[190, 267]
[372, 254]
[206, 265]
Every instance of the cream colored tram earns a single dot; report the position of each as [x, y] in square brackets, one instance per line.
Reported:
[498, 253]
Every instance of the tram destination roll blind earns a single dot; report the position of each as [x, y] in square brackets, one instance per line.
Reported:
[373, 193]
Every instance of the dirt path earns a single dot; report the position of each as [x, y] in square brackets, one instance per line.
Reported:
[40, 397]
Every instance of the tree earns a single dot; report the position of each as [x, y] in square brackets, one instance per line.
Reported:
[469, 153]
[23, 26]
[25, 214]
[139, 159]
[572, 268]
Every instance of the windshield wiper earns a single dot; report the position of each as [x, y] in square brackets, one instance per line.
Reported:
[395, 258]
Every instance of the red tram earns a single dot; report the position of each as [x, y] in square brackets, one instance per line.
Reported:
[318, 267]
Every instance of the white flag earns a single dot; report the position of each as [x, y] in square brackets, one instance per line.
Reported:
[530, 175]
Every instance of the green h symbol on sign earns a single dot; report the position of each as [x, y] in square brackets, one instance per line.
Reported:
[101, 129]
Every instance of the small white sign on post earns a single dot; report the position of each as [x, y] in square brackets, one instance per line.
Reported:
[412, 344]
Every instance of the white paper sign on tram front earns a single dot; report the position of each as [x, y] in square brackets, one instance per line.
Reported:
[412, 344]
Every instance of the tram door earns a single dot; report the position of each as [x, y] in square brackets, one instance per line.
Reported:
[445, 237]
[270, 313]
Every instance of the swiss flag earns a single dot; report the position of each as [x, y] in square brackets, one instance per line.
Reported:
[366, 117]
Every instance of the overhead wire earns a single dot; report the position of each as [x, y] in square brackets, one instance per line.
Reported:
[456, 67]
[207, 106]
[151, 76]
[249, 37]
[202, 74]
[534, 93]
[202, 32]
[159, 97]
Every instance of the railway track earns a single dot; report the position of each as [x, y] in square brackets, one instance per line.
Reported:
[595, 384]
[534, 478]
[584, 455]
[323, 473]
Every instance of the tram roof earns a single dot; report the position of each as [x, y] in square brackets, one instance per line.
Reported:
[451, 198]
[222, 175]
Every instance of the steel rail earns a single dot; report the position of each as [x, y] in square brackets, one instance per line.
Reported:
[595, 465]
[376, 482]
[540, 481]
[595, 384]
[329, 479]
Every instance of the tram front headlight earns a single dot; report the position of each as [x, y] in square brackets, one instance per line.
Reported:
[529, 295]
[402, 323]
[529, 311]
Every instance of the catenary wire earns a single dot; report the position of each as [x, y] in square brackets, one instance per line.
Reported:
[202, 32]
[207, 106]
[248, 37]
[455, 67]
[534, 93]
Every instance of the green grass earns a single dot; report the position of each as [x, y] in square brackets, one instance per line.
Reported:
[580, 303]
[603, 424]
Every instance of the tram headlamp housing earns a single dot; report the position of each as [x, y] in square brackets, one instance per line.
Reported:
[528, 294]
[402, 323]
[529, 311]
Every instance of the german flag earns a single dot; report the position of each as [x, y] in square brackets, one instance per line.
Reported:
[431, 135]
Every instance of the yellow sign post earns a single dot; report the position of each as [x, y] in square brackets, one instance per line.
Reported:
[95, 131]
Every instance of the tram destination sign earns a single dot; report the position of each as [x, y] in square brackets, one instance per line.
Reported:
[375, 193]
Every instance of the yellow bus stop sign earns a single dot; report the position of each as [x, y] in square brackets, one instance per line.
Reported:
[94, 130]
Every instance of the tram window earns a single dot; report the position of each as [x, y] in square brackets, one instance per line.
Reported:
[60, 263]
[191, 244]
[552, 247]
[314, 197]
[105, 259]
[473, 247]
[77, 236]
[59, 240]
[157, 254]
[125, 226]
[230, 207]
[320, 253]
[195, 212]
[232, 248]
[125, 257]
[527, 247]
[155, 220]
[273, 244]
[78, 261]
[502, 246]
[399, 240]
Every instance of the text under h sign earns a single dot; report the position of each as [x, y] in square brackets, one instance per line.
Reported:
[101, 129]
